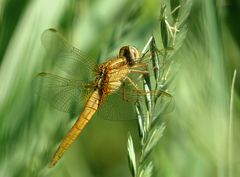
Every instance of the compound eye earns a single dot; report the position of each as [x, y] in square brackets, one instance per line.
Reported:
[134, 53]
[130, 53]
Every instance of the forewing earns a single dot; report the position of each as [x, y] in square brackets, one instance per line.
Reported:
[65, 56]
[66, 95]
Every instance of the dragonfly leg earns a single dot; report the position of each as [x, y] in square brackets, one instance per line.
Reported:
[135, 86]
[141, 65]
[138, 71]
[124, 91]
[139, 68]
[124, 94]
[141, 92]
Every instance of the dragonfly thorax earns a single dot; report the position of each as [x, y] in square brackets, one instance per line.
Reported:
[100, 78]
[130, 53]
[113, 72]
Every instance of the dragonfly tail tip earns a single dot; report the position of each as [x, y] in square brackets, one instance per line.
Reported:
[52, 164]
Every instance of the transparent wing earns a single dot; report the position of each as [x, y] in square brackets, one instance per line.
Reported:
[121, 105]
[164, 103]
[65, 56]
[160, 101]
[66, 95]
[116, 109]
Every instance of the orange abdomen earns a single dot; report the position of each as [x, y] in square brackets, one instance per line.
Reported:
[88, 112]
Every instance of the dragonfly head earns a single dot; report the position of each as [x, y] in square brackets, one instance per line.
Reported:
[130, 53]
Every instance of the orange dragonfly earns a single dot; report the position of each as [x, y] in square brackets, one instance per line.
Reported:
[66, 94]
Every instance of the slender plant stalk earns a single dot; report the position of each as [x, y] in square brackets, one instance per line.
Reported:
[230, 129]
[157, 98]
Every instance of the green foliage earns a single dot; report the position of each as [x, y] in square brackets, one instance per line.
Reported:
[150, 124]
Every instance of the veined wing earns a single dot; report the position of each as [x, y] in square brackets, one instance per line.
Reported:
[160, 101]
[65, 56]
[157, 99]
[66, 95]
[121, 105]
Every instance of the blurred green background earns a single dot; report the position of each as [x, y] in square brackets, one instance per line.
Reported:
[200, 140]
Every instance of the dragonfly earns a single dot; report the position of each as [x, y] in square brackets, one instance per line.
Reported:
[67, 94]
